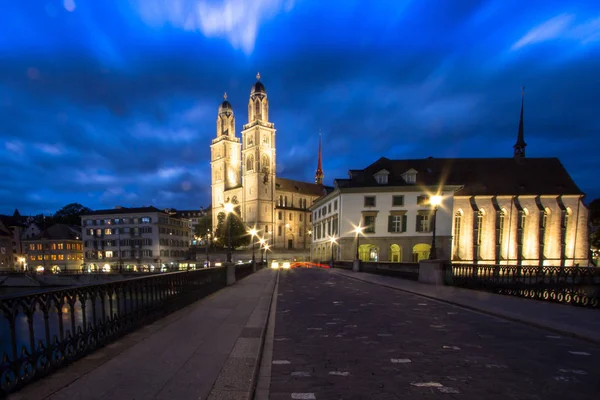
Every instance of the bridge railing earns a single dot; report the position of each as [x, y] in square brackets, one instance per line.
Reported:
[570, 285]
[400, 270]
[42, 332]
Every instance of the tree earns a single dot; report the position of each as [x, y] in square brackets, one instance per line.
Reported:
[70, 214]
[203, 226]
[239, 233]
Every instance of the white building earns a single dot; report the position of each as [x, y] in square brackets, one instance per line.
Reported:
[395, 217]
[143, 238]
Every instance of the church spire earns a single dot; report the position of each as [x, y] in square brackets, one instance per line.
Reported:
[319, 172]
[520, 145]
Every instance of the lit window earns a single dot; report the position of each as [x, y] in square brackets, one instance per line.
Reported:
[108, 231]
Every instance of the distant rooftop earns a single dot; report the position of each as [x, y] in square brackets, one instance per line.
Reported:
[125, 210]
[59, 232]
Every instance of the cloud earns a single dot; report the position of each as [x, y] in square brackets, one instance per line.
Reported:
[562, 26]
[237, 21]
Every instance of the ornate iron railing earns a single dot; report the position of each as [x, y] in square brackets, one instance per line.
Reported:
[399, 270]
[570, 285]
[45, 331]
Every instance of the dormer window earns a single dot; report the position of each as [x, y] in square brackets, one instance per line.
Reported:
[382, 177]
[410, 176]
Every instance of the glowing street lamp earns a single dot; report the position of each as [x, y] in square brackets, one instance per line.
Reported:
[253, 233]
[332, 241]
[228, 210]
[435, 201]
[358, 231]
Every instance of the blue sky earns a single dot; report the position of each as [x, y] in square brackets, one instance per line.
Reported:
[114, 102]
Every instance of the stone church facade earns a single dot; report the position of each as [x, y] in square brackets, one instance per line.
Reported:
[243, 172]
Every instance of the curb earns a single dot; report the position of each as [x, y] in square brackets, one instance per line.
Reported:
[512, 318]
[263, 372]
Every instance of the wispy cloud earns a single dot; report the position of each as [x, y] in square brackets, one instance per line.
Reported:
[563, 26]
[237, 21]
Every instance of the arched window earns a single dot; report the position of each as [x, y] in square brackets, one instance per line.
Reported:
[480, 215]
[257, 113]
[280, 202]
[265, 163]
[250, 163]
[457, 229]
[395, 253]
[285, 201]
[522, 218]
[421, 252]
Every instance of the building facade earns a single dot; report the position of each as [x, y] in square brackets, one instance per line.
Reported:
[55, 249]
[517, 211]
[139, 239]
[16, 225]
[244, 173]
[6, 252]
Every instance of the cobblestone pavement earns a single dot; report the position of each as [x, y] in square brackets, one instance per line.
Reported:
[337, 338]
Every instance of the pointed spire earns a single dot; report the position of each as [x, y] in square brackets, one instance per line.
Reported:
[520, 145]
[319, 172]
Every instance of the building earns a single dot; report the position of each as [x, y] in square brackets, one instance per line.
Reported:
[6, 249]
[244, 173]
[518, 211]
[16, 225]
[55, 249]
[142, 238]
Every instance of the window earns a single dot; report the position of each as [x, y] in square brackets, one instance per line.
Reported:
[457, 227]
[300, 217]
[422, 223]
[369, 223]
[31, 246]
[290, 216]
[501, 220]
[250, 163]
[108, 231]
[369, 201]
[397, 223]
[107, 222]
[381, 179]
[279, 230]
[329, 208]
[334, 205]
[257, 109]
[117, 221]
[522, 219]
[265, 163]
[410, 177]
[145, 220]
[397, 201]
[422, 200]
[280, 202]
[60, 246]
[479, 226]
[89, 222]
[108, 254]
[544, 219]
[285, 201]
[280, 215]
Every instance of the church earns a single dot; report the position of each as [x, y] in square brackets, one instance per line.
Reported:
[243, 172]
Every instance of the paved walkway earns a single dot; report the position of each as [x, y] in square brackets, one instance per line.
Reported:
[209, 349]
[340, 338]
[565, 319]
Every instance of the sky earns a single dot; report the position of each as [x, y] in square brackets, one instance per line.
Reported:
[114, 102]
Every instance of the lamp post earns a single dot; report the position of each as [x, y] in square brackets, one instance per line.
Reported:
[228, 210]
[207, 246]
[332, 241]
[266, 255]
[262, 242]
[358, 230]
[252, 233]
[435, 201]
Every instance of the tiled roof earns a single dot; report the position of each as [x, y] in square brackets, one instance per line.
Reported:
[60, 232]
[289, 185]
[124, 210]
[478, 176]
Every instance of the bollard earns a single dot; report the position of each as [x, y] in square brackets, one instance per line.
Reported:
[356, 265]
[230, 273]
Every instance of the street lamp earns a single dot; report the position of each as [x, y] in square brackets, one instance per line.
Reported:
[358, 231]
[228, 210]
[207, 245]
[253, 233]
[262, 242]
[266, 255]
[435, 201]
[332, 241]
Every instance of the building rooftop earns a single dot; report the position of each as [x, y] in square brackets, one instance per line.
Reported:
[124, 210]
[478, 176]
[59, 232]
[289, 185]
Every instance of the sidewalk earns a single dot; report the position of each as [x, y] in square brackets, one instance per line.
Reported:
[208, 350]
[564, 319]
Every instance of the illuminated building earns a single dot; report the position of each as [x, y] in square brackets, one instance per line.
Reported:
[244, 172]
[57, 248]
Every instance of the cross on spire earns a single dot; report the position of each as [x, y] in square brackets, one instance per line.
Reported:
[258, 76]
[225, 96]
[319, 172]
